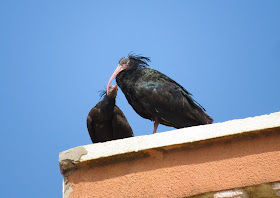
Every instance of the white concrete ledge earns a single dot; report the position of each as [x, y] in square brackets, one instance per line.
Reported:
[70, 158]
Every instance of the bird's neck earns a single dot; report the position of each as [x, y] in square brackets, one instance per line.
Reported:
[127, 78]
[108, 104]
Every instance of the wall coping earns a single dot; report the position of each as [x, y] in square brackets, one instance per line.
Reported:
[71, 158]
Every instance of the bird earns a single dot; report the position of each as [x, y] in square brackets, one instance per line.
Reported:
[155, 96]
[106, 121]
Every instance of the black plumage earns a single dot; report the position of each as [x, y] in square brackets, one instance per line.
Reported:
[106, 121]
[157, 97]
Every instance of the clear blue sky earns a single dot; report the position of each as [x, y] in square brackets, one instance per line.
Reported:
[56, 55]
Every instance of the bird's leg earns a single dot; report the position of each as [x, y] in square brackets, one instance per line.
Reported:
[156, 125]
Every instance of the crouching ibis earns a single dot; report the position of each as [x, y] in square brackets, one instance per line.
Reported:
[155, 96]
[106, 121]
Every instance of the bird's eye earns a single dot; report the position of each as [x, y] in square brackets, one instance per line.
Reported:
[124, 62]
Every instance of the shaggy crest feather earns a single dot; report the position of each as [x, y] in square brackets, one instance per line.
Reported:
[102, 94]
[140, 61]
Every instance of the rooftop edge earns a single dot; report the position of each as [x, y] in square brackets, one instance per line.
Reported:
[69, 159]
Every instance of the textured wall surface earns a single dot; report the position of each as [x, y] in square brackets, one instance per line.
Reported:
[179, 170]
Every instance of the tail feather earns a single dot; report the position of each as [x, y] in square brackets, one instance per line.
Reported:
[202, 117]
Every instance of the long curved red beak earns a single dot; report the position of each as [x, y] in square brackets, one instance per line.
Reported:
[116, 72]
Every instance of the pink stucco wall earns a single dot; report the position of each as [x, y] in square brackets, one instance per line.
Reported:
[182, 171]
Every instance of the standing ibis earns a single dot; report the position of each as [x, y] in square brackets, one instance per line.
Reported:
[155, 96]
[106, 121]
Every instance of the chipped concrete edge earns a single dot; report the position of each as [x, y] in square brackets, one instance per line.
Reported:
[67, 162]
[69, 158]
[66, 187]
